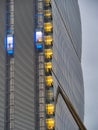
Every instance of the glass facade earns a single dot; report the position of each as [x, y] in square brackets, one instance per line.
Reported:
[67, 60]
[42, 51]
[64, 119]
[2, 66]
[24, 71]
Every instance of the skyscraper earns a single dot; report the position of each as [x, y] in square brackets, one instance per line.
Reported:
[41, 85]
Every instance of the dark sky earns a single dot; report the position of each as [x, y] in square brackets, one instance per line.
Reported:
[89, 17]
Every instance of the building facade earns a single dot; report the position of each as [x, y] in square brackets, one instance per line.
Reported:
[67, 61]
[41, 83]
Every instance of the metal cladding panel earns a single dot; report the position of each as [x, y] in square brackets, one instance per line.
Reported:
[2, 64]
[69, 13]
[63, 117]
[67, 59]
[24, 59]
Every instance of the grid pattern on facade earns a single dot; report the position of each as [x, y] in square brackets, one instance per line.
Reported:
[24, 66]
[2, 64]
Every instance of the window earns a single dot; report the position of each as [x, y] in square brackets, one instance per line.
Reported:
[10, 44]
